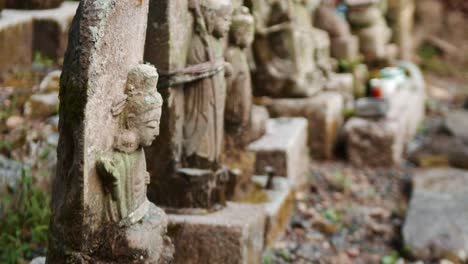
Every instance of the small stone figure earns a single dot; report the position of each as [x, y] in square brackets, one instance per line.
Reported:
[123, 171]
[239, 107]
[239, 87]
[283, 49]
[367, 21]
[344, 45]
[32, 4]
[196, 179]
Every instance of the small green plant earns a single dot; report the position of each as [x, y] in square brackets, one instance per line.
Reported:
[332, 215]
[43, 60]
[390, 259]
[24, 222]
[340, 182]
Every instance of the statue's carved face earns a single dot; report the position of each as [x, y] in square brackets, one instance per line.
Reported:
[242, 31]
[147, 127]
[218, 16]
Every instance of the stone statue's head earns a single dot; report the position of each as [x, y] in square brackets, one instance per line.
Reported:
[141, 111]
[242, 30]
[218, 15]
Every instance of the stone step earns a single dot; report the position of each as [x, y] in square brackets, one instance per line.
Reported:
[50, 28]
[324, 113]
[284, 147]
[382, 142]
[233, 235]
[279, 209]
[15, 43]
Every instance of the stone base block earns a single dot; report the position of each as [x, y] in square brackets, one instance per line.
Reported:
[280, 207]
[15, 43]
[383, 142]
[233, 235]
[324, 113]
[284, 147]
[50, 34]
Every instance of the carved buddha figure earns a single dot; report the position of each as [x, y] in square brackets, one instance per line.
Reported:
[239, 87]
[123, 170]
[205, 98]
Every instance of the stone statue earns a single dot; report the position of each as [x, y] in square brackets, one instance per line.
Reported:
[284, 48]
[367, 20]
[205, 98]
[239, 108]
[193, 178]
[123, 171]
[239, 87]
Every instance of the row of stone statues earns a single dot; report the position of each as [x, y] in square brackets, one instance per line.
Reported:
[199, 102]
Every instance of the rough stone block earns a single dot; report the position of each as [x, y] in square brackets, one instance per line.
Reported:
[233, 235]
[382, 142]
[436, 225]
[50, 29]
[324, 113]
[280, 207]
[284, 147]
[15, 42]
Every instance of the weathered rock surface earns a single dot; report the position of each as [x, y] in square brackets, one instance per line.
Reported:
[279, 208]
[284, 147]
[457, 123]
[324, 114]
[436, 225]
[103, 76]
[10, 174]
[233, 235]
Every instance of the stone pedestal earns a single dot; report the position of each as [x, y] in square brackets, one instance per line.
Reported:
[383, 142]
[15, 43]
[279, 208]
[233, 235]
[324, 114]
[50, 29]
[284, 147]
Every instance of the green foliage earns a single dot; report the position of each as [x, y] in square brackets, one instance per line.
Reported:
[332, 215]
[390, 259]
[42, 60]
[24, 221]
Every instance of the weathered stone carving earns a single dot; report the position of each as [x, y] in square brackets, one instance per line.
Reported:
[368, 23]
[195, 177]
[238, 113]
[283, 49]
[109, 110]
[33, 4]
[123, 171]
[344, 46]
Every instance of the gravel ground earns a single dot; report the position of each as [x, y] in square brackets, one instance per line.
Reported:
[347, 215]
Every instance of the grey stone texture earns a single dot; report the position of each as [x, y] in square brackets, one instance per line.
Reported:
[436, 224]
[106, 42]
[324, 113]
[233, 235]
[284, 147]
[279, 208]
